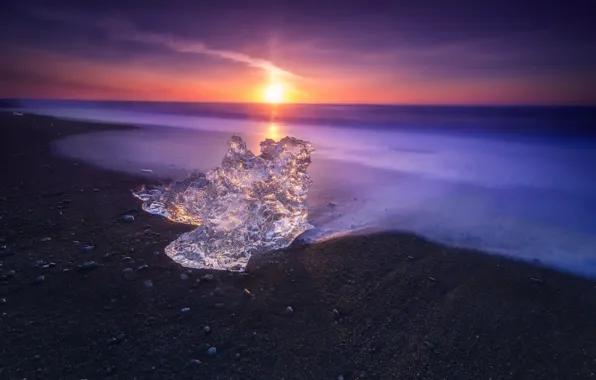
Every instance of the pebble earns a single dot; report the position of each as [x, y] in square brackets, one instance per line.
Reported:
[536, 280]
[128, 218]
[219, 305]
[142, 267]
[184, 277]
[208, 277]
[185, 309]
[237, 356]
[340, 377]
[211, 351]
[89, 265]
[410, 257]
[2, 301]
[247, 293]
[207, 329]
[128, 273]
[194, 363]
[96, 190]
[431, 278]
[289, 310]
[11, 273]
[336, 313]
[148, 284]
[117, 339]
[46, 239]
[86, 248]
[39, 279]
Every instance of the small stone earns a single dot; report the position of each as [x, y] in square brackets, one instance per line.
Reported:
[208, 277]
[86, 248]
[46, 239]
[219, 305]
[128, 218]
[340, 377]
[410, 257]
[185, 309]
[128, 273]
[335, 313]
[117, 339]
[126, 258]
[237, 356]
[289, 311]
[194, 363]
[247, 293]
[51, 265]
[96, 190]
[39, 279]
[207, 329]
[2, 301]
[10, 273]
[142, 268]
[211, 351]
[148, 283]
[184, 277]
[89, 265]
[431, 278]
[536, 280]
[155, 254]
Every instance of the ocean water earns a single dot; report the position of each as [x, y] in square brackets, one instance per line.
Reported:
[517, 181]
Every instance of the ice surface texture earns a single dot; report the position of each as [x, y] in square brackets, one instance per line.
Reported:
[250, 204]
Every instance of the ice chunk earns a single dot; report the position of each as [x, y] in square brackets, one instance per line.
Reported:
[248, 205]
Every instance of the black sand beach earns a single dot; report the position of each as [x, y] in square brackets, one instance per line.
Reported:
[388, 306]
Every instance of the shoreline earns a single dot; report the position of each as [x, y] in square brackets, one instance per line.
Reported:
[390, 305]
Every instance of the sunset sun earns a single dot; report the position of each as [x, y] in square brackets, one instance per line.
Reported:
[274, 93]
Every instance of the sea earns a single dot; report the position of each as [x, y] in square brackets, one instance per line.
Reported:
[514, 181]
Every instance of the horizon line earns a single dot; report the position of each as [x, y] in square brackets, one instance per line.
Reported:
[489, 105]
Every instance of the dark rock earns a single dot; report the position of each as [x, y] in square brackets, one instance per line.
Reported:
[39, 279]
[86, 248]
[289, 311]
[128, 218]
[89, 265]
[212, 351]
[128, 273]
[194, 363]
[117, 339]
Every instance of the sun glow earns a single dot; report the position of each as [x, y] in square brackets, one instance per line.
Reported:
[274, 93]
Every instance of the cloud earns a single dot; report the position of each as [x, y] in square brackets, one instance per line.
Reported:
[125, 31]
[129, 33]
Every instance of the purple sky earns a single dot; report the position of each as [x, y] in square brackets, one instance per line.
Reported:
[415, 52]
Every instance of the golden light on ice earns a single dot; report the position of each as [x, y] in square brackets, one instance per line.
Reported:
[274, 93]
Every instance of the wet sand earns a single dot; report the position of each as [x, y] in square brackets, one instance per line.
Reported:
[385, 306]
